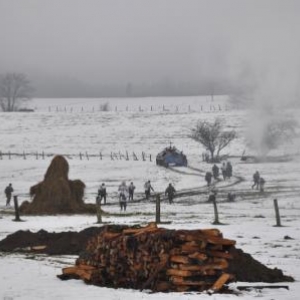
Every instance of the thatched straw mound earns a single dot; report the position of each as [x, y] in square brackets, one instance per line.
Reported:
[57, 194]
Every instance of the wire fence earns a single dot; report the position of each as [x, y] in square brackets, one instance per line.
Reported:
[113, 156]
[217, 107]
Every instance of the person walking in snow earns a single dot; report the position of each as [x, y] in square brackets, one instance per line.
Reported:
[8, 193]
[208, 177]
[131, 189]
[256, 177]
[148, 187]
[123, 195]
[215, 171]
[170, 192]
[102, 193]
[228, 169]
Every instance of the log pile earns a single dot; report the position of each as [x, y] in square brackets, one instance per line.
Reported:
[155, 258]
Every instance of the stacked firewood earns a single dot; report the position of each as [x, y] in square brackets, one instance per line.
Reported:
[155, 258]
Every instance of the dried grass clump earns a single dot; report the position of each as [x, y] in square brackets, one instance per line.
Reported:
[56, 194]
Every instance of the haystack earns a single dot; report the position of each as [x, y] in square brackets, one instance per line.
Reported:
[56, 194]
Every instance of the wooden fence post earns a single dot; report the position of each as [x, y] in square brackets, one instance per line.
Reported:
[99, 211]
[278, 223]
[17, 213]
[143, 156]
[87, 155]
[127, 156]
[216, 221]
[157, 212]
[80, 155]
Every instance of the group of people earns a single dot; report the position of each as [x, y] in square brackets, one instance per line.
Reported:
[226, 169]
[126, 193]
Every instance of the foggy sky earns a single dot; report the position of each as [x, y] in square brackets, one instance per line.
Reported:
[121, 41]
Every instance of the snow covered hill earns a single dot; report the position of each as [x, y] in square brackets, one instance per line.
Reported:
[96, 143]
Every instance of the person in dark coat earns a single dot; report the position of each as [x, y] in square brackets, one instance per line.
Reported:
[208, 177]
[229, 170]
[215, 171]
[8, 193]
[170, 191]
[102, 193]
[131, 189]
[256, 177]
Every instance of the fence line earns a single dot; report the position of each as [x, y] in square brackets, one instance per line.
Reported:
[133, 156]
[215, 107]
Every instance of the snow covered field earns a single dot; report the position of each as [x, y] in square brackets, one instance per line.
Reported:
[77, 126]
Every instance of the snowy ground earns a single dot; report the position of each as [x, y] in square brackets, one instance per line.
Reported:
[75, 126]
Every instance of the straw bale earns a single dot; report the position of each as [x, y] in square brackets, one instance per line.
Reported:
[56, 194]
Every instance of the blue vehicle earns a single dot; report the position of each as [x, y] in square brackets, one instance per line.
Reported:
[171, 156]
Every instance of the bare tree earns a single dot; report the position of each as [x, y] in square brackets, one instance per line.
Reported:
[213, 137]
[15, 89]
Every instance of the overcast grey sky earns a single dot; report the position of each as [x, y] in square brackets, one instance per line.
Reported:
[112, 41]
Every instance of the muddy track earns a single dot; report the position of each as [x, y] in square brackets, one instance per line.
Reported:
[203, 189]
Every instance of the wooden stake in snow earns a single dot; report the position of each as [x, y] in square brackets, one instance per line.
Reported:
[278, 223]
[99, 211]
[17, 213]
[157, 214]
[216, 221]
